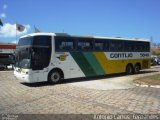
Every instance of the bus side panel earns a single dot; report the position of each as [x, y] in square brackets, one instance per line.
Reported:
[91, 58]
[146, 64]
[75, 69]
[109, 66]
[83, 63]
[67, 64]
[97, 63]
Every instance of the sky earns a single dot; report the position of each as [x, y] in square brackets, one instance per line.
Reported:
[108, 18]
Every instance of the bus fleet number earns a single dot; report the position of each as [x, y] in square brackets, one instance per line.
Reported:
[144, 55]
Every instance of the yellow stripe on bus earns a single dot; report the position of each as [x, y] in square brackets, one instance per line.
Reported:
[117, 66]
[109, 66]
[100, 56]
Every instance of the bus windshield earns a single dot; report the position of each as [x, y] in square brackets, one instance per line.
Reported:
[23, 58]
[23, 53]
[25, 41]
[33, 52]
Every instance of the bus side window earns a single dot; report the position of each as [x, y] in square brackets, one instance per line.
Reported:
[84, 44]
[141, 46]
[116, 45]
[128, 46]
[120, 45]
[99, 45]
[147, 47]
[107, 45]
[138, 46]
[111, 46]
[64, 43]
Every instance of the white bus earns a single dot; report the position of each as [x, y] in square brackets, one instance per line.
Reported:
[56, 56]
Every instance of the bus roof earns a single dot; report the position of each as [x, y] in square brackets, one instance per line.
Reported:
[120, 38]
[37, 34]
[98, 37]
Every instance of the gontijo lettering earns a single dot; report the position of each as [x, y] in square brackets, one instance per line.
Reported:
[121, 55]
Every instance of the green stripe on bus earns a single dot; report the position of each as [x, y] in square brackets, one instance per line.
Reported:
[83, 63]
[94, 63]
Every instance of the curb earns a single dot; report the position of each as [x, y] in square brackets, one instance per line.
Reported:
[153, 86]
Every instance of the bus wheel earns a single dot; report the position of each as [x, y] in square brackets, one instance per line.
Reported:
[129, 69]
[136, 68]
[54, 77]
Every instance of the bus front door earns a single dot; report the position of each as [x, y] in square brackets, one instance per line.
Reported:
[40, 63]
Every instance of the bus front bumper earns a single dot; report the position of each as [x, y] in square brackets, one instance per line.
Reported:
[23, 77]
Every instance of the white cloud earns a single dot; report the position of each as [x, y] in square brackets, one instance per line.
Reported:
[3, 15]
[9, 30]
[5, 6]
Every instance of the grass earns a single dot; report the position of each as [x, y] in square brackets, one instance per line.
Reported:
[149, 80]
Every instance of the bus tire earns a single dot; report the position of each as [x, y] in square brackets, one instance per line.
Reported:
[55, 76]
[129, 69]
[137, 68]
